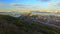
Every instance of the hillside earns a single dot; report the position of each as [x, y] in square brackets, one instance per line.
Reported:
[12, 25]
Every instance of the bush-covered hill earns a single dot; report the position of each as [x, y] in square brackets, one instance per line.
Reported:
[12, 25]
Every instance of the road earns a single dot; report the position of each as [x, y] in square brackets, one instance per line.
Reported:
[51, 25]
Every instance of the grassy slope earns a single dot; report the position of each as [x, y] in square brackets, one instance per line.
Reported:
[11, 25]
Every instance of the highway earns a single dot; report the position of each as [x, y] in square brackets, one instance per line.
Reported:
[51, 25]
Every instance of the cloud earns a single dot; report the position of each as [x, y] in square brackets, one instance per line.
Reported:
[20, 5]
[24, 6]
[44, 0]
[1, 4]
[57, 4]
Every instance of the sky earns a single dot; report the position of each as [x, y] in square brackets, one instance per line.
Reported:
[29, 4]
